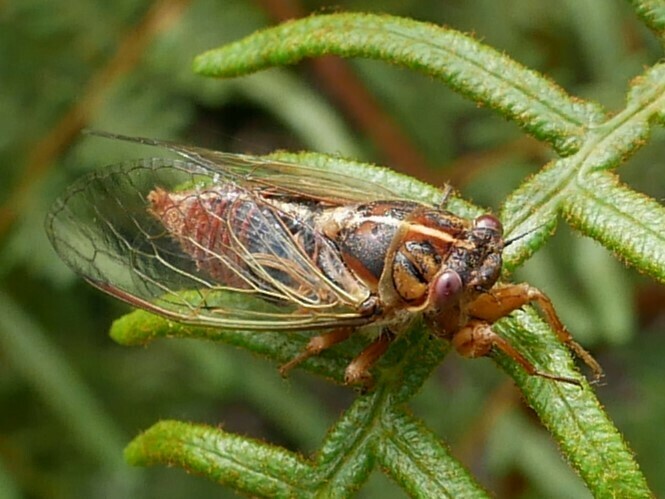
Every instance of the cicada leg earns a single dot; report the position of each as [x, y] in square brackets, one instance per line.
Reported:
[477, 338]
[316, 345]
[504, 299]
[357, 372]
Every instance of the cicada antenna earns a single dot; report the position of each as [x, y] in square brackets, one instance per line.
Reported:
[447, 193]
[522, 235]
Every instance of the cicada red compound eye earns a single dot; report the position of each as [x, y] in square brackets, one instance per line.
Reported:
[446, 289]
[488, 221]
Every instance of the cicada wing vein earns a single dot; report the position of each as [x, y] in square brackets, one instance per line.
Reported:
[104, 230]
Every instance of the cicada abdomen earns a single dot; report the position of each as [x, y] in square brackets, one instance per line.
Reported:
[224, 233]
[246, 240]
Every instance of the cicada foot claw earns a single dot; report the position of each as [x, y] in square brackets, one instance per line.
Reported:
[357, 372]
[355, 376]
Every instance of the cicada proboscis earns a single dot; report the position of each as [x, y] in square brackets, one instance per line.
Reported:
[198, 240]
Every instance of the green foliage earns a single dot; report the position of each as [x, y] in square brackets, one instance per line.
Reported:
[626, 222]
[69, 400]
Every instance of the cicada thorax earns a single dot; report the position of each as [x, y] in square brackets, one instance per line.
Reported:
[412, 256]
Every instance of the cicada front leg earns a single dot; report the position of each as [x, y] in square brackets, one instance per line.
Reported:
[475, 337]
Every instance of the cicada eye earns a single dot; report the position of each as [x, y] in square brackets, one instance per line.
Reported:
[489, 221]
[447, 288]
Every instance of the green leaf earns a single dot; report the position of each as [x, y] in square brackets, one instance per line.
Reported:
[418, 461]
[530, 213]
[473, 69]
[139, 327]
[652, 13]
[533, 454]
[573, 415]
[566, 183]
[246, 465]
[628, 223]
[345, 458]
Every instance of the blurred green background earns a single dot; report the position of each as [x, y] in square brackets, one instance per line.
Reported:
[71, 398]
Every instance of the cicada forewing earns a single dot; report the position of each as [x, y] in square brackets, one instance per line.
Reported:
[287, 179]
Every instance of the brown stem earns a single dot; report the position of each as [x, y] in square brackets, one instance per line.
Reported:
[347, 90]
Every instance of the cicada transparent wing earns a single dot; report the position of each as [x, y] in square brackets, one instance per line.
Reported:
[204, 245]
[286, 179]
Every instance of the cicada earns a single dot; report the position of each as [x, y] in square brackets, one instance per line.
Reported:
[248, 243]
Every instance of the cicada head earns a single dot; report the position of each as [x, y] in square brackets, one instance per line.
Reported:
[471, 268]
[484, 257]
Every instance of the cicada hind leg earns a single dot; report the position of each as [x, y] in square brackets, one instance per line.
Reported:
[476, 338]
[357, 372]
[316, 345]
